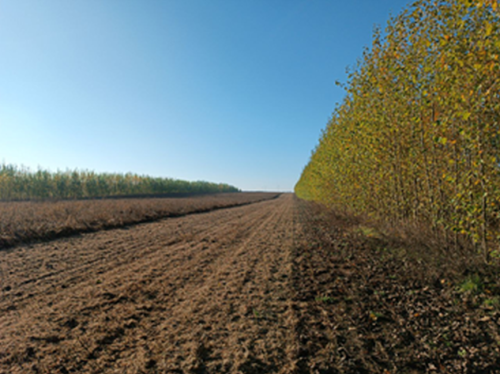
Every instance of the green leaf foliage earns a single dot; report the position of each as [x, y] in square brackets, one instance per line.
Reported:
[23, 184]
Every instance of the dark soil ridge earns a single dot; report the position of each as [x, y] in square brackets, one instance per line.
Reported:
[8, 243]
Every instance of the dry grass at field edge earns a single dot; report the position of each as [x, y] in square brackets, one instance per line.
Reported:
[26, 222]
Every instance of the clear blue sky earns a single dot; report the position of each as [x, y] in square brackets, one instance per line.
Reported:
[233, 91]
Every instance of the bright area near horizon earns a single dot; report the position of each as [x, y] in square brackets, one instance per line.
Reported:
[225, 91]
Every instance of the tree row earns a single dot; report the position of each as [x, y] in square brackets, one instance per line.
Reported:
[417, 136]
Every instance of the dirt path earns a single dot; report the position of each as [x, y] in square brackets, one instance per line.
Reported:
[205, 293]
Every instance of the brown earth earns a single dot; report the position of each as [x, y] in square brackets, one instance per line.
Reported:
[204, 293]
[278, 286]
[370, 302]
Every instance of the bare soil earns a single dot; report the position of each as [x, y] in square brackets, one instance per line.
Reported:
[203, 293]
[371, 303]
[278, 286]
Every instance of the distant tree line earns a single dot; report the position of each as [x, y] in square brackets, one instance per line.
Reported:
[20, 183]
[417, 136]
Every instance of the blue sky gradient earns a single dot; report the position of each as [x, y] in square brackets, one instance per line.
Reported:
[218, 90]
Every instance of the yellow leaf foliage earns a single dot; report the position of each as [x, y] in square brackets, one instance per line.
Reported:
[417, 135]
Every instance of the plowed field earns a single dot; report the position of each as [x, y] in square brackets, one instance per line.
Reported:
[277, 286]
[203, 293]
